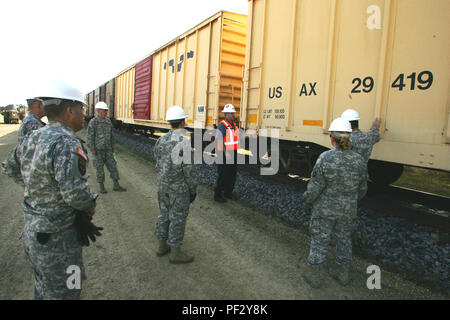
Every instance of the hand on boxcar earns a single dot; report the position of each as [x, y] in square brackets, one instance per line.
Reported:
[376, 123]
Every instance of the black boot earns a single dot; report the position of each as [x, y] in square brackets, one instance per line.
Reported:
[118, 187]
[102, 188]
[229, 196]
[219, 197]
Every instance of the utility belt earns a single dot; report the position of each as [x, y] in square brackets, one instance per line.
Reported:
[37, 222]
[84, 227]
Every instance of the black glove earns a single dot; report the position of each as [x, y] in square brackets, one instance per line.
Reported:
[85, 228]
[42, 238]
[193, 197]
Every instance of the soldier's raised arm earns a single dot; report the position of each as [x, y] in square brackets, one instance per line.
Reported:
[375, 131]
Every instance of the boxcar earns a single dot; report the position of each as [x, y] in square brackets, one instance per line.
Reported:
[309, 60]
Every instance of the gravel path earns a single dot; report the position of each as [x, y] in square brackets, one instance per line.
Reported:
[419, 253]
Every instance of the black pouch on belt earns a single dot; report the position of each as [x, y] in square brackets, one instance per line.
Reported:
[42, 238]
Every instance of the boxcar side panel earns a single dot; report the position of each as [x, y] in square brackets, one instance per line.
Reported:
[253, 71]
[422, 60]
[142, 90]
[125, 96]
[232, 60]
[210, 50]
[92, 104]
[310, 65]
[103, 93]
[110, 97]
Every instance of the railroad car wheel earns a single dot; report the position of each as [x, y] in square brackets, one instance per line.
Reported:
[384, 173]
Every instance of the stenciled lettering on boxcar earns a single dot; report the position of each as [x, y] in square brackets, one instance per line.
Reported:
[189, 54]
[421, 81]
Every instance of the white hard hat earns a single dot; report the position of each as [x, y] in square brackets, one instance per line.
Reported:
[101, 105]
[58, 90]
[350, 115]
[175, 113]
[340, 125]
[229, 108]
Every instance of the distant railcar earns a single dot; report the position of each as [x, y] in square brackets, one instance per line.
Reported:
[200, 70]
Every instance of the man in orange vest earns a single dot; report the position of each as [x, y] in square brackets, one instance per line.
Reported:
[227, 137]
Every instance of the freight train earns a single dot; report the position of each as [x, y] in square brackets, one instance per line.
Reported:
[294, 66]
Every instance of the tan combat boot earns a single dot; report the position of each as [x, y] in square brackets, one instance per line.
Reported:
[178, 256]
[118, 187]
[312, 277]
[163, 248]
[340, 274]
[102, 188]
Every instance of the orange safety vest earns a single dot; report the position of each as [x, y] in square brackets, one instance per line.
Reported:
[231, 139]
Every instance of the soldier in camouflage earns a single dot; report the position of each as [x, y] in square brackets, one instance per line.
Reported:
[362, 142]
[33, 119]
[54, 166]
[338, 181]
[176, 187]
[11, 165]
[100, 141]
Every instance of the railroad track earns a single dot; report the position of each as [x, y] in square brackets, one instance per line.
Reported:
[415, 206]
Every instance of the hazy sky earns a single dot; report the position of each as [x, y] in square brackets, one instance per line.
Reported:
[88, 42]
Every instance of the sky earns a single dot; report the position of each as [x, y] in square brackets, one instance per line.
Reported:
[87, 43]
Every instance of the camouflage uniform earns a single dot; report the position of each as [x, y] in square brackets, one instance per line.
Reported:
[100, 139]
[11, 165]
[176, 184]
[30, 123]
[362, 142]
[54, 171]
[338, 180]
